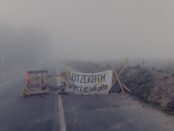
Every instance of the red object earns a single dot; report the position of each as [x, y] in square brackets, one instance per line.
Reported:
[27, 78]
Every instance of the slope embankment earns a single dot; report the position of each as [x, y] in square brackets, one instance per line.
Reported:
[150, 86]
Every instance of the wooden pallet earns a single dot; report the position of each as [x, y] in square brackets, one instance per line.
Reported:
[28, 92]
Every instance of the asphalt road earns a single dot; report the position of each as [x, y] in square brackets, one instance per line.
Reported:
[35, 113]
[113, 112]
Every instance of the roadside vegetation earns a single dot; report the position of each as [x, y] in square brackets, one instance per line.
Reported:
[154, 87]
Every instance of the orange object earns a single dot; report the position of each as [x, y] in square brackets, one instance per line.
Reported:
[26, 76]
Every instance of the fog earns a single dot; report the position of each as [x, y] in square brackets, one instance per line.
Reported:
[26, 46]
[87, 30]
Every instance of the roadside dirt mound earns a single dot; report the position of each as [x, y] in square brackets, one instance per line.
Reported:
[151, 87]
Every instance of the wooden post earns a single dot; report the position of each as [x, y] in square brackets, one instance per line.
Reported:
[117, 77]
[126, 88]
[120, 72]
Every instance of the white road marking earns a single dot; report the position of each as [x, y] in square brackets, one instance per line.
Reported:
[61, 115]
[8, 82]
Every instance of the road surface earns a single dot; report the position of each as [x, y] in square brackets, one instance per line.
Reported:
[36, 113]
[73, 112]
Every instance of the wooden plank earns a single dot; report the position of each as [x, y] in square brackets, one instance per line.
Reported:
[117, 77]
[126, 88]
[119, 74]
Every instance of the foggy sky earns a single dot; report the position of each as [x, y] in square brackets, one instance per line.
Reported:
[98, 29]
[26, 46]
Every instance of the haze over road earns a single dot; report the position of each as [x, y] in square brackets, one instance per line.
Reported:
[88, 30]
[113, 112]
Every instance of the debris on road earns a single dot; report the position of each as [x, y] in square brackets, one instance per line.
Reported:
[36, 82]
[73, 82]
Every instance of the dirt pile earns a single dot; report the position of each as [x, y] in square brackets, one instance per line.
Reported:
[152, 87]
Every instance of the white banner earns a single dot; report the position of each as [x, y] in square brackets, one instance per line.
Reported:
[89, 83]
